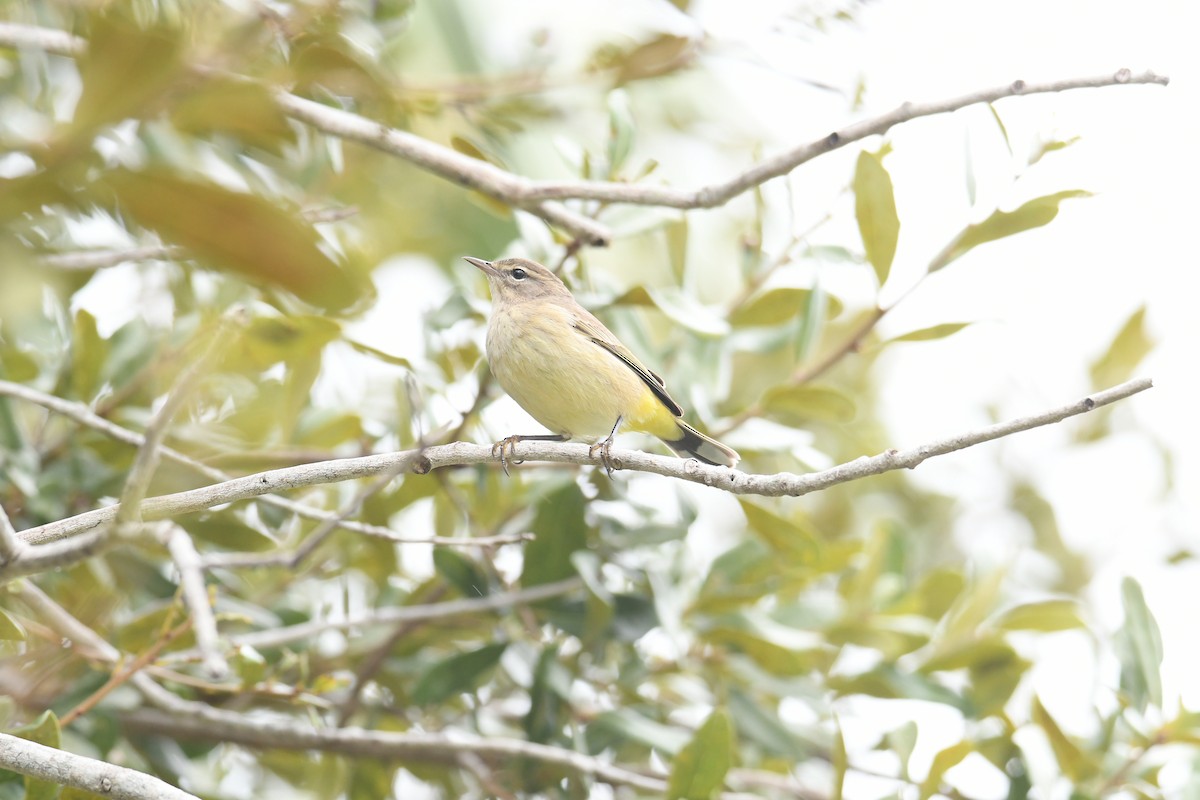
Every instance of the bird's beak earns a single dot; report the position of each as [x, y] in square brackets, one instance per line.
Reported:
[485, 266]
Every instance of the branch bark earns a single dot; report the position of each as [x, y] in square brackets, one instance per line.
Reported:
[462, 453]
[68, 769]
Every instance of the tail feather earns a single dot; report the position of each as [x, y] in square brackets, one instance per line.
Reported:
[694, 444]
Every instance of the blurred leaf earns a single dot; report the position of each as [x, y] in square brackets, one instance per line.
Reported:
[238, 108]
[812, 322]
[902, 741]
[777, 648]
[1050, 146]
[1139, 646]
[17, 366]
[1127, 350]
[1045, 616]
[1000, 124]
[699, 769]
[10, 629]
[327, 427]
[548, 693]
[763, 727]
[683, 308]
[268, 340]
[226, 530]
[1070, 759]
[775, 307]
[927, 334]
[559, 530]
[943, 761]
[1033, 214]
[124, 71]
[88, 354]
[740, 575]
[620, 131]
[798, 544]
[658, 56]
[875, 209]
[677, 233]
[839, 760]
[237, 232]
[457, 674]
[798, 406]
[626, 724]
[460, 572]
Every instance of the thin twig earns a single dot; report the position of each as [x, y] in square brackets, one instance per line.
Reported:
[462, 453]
[195, 597]
[81, 414]
[124, 675]
[391, 616]
[10, 545]
[371, 664]
[537, 196]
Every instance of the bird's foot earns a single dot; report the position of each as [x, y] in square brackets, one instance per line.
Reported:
[509, 444]
[604, 449]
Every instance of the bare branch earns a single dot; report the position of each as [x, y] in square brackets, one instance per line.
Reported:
[462, 453]
[88, 260]
[536, 196]
[67, 769]
[195, 597]
[183, 718]
[84, 416]
[63, 623]
[391, 616]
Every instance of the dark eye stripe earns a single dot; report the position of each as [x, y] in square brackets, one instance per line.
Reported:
[519, 274]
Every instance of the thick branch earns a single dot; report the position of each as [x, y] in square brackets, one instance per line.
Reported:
[68, 769]
[462, 453]
[10, 546]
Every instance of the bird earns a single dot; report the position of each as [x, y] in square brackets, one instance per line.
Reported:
[572, 374]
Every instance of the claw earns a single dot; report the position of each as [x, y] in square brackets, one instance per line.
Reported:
[507, 443]
[604, 448]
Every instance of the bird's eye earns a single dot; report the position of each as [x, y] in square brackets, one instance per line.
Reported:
[518, 274]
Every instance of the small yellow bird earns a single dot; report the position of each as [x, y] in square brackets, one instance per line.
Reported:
[572, 374]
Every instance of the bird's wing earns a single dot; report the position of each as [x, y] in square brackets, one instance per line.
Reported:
[594, 329]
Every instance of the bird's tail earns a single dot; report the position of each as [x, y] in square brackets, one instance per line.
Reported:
[694, 444]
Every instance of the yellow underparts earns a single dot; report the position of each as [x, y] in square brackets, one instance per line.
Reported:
[567, 382]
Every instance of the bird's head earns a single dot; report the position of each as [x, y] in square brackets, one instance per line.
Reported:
[517, 280]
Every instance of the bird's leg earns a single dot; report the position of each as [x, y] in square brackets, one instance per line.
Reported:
[605, 448]
[510, 442]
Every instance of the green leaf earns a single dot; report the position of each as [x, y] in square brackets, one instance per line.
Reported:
[460, 572]
[800, 405]
[226, 530]
[559, 530]
[1131, 344]
[764, 728]
[124, 71]
[1139, 647]
[943, 761]
[1070, 758]
[928, 334]
[797, 543]
[620, 131]
[10, 629]
[548, 692]
[626, 724]
[701, 766]
[238, 232]
[1033, 214]
[88, 354]
[875, 209]
[1045, 616]
[456, 674]
[776, 306]
[235, 107]
[840, 761]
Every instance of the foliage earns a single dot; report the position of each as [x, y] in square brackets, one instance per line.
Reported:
[729, 664]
